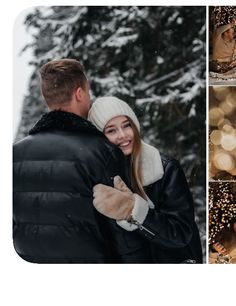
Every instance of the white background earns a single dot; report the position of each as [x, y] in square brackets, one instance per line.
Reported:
[29, 284]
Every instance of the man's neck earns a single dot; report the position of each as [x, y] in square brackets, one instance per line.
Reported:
[68, 109]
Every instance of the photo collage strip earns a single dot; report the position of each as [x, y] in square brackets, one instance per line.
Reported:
[222, 135]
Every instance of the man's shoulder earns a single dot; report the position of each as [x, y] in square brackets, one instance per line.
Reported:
[112, 149]
[22, 142]
[166, 159]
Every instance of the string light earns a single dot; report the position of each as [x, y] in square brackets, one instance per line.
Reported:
[223, 15]
[222, 207]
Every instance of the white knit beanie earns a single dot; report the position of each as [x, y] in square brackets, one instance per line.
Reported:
[106, 108]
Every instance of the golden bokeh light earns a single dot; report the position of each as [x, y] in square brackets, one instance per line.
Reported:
[232, 171]
[227, 128]
[215, 115]
[215, 137]
[223, 161]
[228, 141]
[222, 122]
[220, 92]
[227, 106]
[222, 136]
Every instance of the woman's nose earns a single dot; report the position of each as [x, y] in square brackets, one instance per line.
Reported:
[121, 133]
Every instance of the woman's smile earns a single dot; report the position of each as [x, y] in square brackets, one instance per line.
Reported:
[126, 147]
[119, 131]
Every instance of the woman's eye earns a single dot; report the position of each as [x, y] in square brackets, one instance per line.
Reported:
[127, 125]
[110, 131]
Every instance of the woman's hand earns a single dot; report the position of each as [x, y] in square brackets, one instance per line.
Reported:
[121, 204]
[120, 185]
[113, 203]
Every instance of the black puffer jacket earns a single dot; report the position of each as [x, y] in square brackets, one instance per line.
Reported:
[169, 229]
[55, 169]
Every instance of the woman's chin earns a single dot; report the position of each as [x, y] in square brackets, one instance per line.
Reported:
[126, 152]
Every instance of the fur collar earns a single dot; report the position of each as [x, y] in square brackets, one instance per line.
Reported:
[152, 168]
[60, 120]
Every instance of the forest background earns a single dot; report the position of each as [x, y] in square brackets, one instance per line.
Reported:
[152, 57]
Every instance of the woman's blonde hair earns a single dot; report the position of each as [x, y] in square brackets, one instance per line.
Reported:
[136, 170]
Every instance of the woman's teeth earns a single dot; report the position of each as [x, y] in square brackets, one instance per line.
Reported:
[124, 144]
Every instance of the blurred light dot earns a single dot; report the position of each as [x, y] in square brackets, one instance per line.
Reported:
[233, 171]
[220, 92]
[227, 107]
[223, 122]
[224, 161]
[216, 137]
[228, 128]
[233, 153]
[228, 141]
[231, 99]
[215, 115]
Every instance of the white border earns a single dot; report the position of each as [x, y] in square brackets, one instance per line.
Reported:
[43, 285]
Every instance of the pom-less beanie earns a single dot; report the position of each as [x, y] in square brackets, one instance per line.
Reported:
[106, 108]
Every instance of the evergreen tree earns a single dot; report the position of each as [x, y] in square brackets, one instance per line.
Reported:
[152, 57]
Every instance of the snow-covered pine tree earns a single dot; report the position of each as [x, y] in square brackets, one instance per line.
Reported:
[141, 54]
[152, 57]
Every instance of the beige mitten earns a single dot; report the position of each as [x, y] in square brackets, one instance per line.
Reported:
[113, 203]
[139, 210]
[120, 184]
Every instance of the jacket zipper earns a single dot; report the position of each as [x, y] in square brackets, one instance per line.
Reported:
[141, 227]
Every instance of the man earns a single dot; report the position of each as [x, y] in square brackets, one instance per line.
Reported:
[55, 169]
[224, 48]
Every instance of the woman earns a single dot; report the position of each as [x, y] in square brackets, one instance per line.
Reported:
[160, 204]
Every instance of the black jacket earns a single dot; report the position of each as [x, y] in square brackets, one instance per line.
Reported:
[169, 229]
[55, 169]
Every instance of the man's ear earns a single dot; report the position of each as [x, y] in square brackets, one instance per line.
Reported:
[78, 94]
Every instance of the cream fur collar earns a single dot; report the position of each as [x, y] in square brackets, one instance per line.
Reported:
[152, 167]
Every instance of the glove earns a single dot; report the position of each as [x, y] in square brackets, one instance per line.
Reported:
[113, 203]
[120, 203]
[140, 209]
[120, 185]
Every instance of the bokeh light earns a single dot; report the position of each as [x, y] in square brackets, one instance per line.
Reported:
[215, 137]
[215, 115]
[223, 161]
[222, 136]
